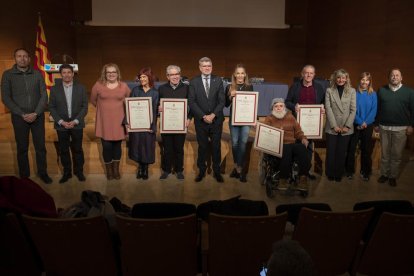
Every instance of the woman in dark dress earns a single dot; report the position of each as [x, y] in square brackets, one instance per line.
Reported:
[142, 144]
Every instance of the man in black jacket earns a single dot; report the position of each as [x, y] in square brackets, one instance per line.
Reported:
[68, 105]
[23, 92]
[206, 100]
[173, 143]
[305, 91]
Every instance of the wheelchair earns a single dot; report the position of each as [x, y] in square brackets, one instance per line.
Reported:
[269, 176]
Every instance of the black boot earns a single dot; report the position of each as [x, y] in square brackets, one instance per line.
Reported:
[145, 172]
[139, 173]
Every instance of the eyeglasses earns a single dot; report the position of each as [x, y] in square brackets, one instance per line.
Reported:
[172, 75]
[111, 72]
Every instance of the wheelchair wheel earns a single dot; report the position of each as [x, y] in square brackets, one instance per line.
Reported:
[269, 188]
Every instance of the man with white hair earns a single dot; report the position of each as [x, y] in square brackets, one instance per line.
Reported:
[294, 144]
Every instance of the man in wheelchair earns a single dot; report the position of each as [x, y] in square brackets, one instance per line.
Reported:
[294, 145]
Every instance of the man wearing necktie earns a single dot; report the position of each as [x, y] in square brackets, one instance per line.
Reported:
[206, 100]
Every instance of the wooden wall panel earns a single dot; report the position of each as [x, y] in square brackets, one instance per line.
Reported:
[372, 35]
[271, 54]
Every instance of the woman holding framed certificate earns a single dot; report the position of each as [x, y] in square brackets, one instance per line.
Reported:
[142, 143]
[240, 133]
[108, 95]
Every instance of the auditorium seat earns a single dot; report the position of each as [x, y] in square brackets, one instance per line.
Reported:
[17, 255]
[293, 209]
[390, 249]
[68, 247]
[402, 207]
[158, 246]
[241, 245]
[157, 210]
[332, 239]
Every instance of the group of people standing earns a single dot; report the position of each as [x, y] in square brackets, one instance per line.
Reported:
[352, 115]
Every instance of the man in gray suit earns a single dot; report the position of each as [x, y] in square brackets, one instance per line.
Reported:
[68, 105]
[206, 99]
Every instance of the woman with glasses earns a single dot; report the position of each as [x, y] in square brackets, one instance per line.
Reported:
[142, 144]
[108, 96]
[239, 134]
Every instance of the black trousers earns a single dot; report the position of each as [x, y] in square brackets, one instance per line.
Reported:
[173, 146]
[364, 136]
[206, 134]
[336, 148]
[71, 139]
[111, 150]
[292, 152]
[21, 134]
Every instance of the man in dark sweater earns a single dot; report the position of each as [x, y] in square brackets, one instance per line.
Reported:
[395, 120]
[23, 91]
[173, 143]
[306, 91]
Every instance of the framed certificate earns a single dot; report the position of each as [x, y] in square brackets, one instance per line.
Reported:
[244, 111]
[269, 139]
[310, 118]
[173, 116]
[139, 113]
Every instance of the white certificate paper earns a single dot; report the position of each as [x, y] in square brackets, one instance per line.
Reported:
[173, 117]
[244, 108]
[269, 139]
[139, 113]
[310, 119]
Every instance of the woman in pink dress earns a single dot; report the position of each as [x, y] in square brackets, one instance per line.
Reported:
[108, 96]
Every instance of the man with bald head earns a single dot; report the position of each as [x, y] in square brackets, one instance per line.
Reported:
[305, 91]
[395, 120]
[23, 91]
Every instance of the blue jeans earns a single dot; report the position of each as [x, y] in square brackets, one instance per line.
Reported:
[239, 136]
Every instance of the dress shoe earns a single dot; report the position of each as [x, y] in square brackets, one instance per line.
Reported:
[243, 177]
[218, 177]
[65, 177]
[382, 179]
[365, 177]
[164, 175]
[180, 176]
[338, 179]
[331, 178]
[234, 173]
[392, 182]
[145, 172]
[81, 177]
[199, 177]
[45, 178]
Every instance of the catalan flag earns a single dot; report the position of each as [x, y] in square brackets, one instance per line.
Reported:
[42, 55]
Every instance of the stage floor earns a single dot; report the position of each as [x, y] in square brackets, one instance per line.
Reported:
[341, 196]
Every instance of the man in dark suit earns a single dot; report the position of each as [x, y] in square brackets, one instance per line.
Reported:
[206, 99]
[68, 105]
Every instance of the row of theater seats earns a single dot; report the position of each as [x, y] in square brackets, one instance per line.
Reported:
[368, 240]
